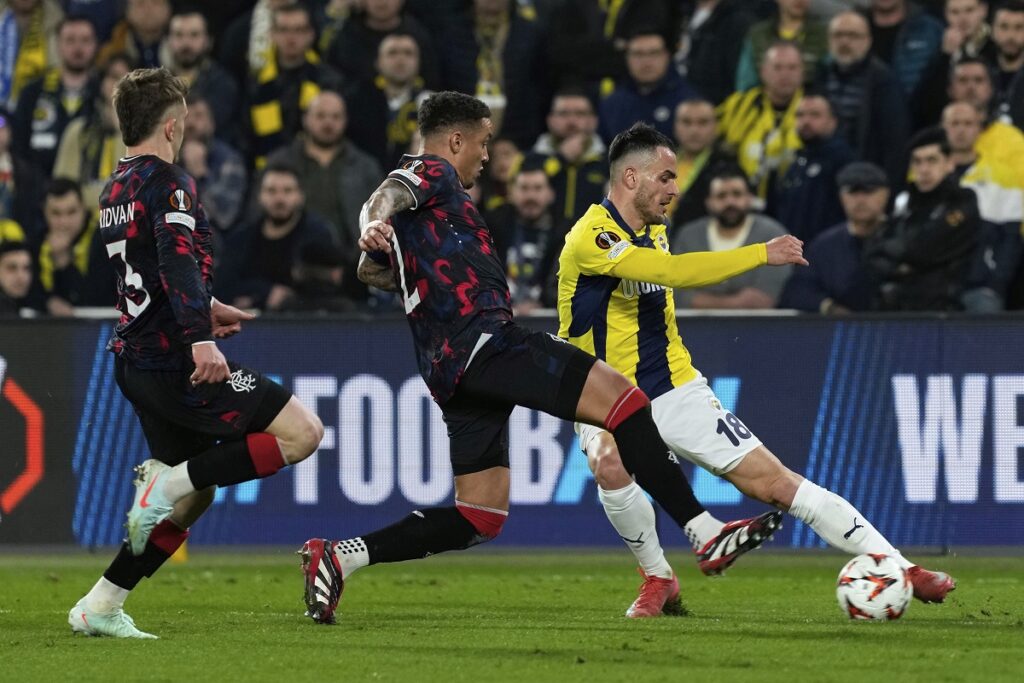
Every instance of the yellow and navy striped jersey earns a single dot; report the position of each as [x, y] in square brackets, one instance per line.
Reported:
[615, 295]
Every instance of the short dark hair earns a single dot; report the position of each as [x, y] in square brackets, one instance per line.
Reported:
[819, 94]
[281, 166]
[292, 8]
[449, 109]
[936, 135]
[641, 137]
[142, 97]
[188, 10]
[60, 186]
[1016, 6]
[729, 170]
[69, 19]
[968, 61]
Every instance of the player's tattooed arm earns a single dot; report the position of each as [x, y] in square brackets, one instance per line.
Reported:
[376, 274]
[390, 198]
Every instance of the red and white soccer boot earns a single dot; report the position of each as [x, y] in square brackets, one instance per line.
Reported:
[735, 539]
[657, 596]
[930, 586]
[324, 582]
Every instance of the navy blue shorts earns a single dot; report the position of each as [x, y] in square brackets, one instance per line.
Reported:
[517, 366]
[181, 421]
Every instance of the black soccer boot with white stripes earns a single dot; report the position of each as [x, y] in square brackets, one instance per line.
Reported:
[324, 581]
[735, 539]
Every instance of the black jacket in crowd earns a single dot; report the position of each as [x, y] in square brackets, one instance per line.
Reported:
[920, 260]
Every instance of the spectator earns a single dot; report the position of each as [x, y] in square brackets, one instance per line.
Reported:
[730, 225]
[529, 237]
[1000, 141]
[355, 47]
[31, 25]
[282, 91]
[968, 33]
[218, 168]
[382, 110]
[572, 154]
[257, 270]
[72, 264]
[905, 38]
[807, 198]
[920, 260]
[1008, 37]
[336, 176]
[140, 35]
[1000, 207]
[493, 183]
[20, 184]
[836, 282]
[90, 147]
[48, 104]
[866, 96]
[589, 39]
[247, 45]
[317, 279]
[650, 93]
[697, 154]
[709, 51]
[15, 271]
[496, 51]
[791, 23]
[759, 125]
[189, 45]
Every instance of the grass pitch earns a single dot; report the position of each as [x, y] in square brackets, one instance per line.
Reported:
[479, 616]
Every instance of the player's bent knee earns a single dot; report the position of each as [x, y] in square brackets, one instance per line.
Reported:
[486, 521]
[609, 472]
[304, 438]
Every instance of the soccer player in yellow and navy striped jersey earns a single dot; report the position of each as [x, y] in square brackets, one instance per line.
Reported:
[615, 301]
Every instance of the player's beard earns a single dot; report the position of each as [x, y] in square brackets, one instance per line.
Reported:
[280, 220]
[189, 61]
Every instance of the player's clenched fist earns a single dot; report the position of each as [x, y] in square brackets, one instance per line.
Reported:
[376, 237]
[784, 250]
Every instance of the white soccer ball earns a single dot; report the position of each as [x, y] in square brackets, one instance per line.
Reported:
[873, 587]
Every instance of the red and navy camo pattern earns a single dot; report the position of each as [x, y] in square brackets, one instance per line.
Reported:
[159, 241]
[452, 281]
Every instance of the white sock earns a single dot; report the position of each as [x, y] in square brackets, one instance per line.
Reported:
[105, 597]
[177, 483]
[702, 529]
[352, 555]
[632, 515]
[839, 523]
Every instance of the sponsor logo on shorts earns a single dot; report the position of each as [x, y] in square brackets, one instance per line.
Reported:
[607, 240]
[242, 382]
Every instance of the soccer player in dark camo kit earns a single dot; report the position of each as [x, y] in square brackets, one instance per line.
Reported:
[422, 234]
[208, 422]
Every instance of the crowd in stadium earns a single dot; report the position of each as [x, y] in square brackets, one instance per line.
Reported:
[883, 133]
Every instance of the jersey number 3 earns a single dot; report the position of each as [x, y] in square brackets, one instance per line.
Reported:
[131, 278]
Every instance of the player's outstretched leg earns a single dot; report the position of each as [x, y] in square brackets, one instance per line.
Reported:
[101, 611]
[832, 517]
[326, 565]
[290, 438]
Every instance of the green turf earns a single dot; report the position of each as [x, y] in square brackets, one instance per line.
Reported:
[505, 616]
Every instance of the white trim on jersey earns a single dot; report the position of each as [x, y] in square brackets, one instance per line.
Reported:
[180, 219]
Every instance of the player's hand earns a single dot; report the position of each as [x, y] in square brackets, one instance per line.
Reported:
[785, 250]
[376, 237]
[227, 320]
[211, 366]
[573, 147]
[952, 40]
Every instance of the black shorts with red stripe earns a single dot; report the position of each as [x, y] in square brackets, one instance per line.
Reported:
[180, 420]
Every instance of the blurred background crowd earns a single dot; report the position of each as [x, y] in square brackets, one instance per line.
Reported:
[883, 133]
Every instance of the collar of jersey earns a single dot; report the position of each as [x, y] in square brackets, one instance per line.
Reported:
[617, 217]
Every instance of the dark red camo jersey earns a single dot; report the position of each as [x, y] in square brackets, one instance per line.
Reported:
[158, 238]
[452, 281]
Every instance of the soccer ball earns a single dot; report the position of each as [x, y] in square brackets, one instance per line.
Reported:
[873, 587]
